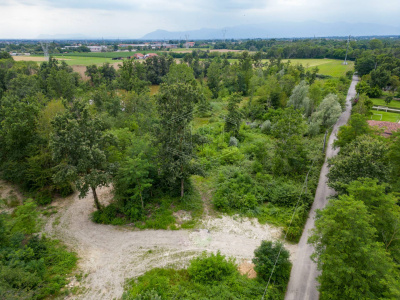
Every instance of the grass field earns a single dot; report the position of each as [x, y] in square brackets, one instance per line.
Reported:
[385, 116]
[381, 102]
[331, 67]
[85, 61]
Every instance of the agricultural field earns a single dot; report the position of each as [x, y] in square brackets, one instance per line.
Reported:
[330, 67]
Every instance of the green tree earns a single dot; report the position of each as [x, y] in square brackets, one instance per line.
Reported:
[299, 98]
[78, 145]
[328, 112]
[363, 105]
[265, 258]
[394, 158]
[353, 264]
[384, 211]
[365, 156]
[365, 63]
[133, 177]
[175, 107]
[233, 119]
[214, 77]
[347, 133]
[288, 128]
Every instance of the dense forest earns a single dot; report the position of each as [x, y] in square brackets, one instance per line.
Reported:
[161, 132]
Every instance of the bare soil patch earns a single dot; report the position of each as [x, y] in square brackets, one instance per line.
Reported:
[28, 58]
[247, 268]
[110, 254]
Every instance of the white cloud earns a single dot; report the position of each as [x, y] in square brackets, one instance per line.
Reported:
[134, 18]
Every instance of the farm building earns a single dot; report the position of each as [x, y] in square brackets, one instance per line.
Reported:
[150, 55]
[97, 48]
[138, 56]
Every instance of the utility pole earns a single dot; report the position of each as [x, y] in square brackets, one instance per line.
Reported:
[187, 45]
[45, 47]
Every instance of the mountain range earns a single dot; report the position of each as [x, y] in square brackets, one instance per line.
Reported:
[279, 30]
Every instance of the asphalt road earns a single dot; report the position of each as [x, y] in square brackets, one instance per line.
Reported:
[302, 282]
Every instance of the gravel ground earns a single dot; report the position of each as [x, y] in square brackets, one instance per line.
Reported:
[109, 254]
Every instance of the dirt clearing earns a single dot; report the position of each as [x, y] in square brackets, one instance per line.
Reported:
[110, 254]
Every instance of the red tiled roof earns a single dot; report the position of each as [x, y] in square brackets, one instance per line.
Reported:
[388, 127]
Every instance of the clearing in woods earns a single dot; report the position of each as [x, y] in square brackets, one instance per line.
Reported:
[111, 254]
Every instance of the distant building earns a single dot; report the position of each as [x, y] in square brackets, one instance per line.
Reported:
[138, 56]
[97, 48]
[189, 44]
[150, 55]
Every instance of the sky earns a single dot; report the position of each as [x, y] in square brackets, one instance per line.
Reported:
[135, 18]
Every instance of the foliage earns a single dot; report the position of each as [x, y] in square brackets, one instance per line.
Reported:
[299, 99]
[31, 267]
[363, 157]
[345, 247]
[357, 126]
[209, 269]
[233, 119]
[78, 146]
[175, 107]
[328, 112]
[197, 282]
[271, 267]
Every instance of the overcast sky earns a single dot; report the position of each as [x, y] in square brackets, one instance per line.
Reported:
[135, 18]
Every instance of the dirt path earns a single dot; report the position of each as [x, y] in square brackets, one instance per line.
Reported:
[110, 254]
[303, 283]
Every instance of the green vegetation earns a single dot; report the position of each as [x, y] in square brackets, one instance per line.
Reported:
[31, 267]
[215, 277]
[357, 235]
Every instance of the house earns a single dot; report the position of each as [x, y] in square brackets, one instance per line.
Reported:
[97, 48]
[150, 55]
[138, 56]
[189, 44]
[388, 127]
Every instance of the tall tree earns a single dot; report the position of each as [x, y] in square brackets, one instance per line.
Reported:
[78, 145]
[233, 119]
[353, 264]
[364, 157]
[175, 107]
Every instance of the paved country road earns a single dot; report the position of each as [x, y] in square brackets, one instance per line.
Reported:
[303, 283]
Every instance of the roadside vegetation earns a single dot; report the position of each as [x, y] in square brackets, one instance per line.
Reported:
[357, 235]
[208, 135]
[213, 276]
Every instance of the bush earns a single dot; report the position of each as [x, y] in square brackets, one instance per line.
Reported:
[236, 190]
[231, 155]
[209, 269]
[233, 142]
[31, 267]
[265, 258]
[266, 126]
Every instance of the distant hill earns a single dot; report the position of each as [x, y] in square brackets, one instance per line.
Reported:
[280, 30]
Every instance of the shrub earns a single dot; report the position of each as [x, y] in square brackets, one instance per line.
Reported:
[236, 190]
[265, 258]
[231, 155]
[266, 126]
[209, 269]
[233, 142]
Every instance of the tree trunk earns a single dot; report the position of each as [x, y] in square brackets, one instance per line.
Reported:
[182, 187]
[96, 200]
